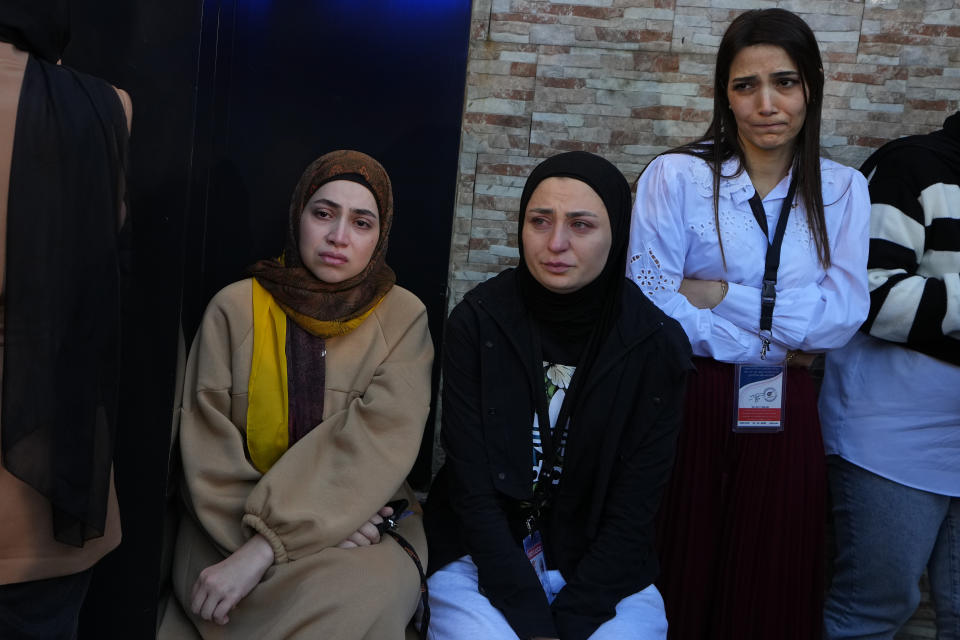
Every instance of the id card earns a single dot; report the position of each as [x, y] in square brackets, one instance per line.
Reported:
[533, 547]
[758, 405]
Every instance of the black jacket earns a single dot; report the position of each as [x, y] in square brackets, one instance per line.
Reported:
[599, 532]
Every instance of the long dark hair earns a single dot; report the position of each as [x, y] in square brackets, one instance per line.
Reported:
[780, 28]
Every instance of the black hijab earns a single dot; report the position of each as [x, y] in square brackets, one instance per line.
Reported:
[571, 327]
[568, 320]
[41, 27]
[62, 304]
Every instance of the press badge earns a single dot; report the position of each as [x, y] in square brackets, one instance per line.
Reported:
[758, 405]
[533, 547]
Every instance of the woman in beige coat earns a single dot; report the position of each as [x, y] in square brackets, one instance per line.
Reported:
[307, 389]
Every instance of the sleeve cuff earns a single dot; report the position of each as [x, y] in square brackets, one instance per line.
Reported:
[741, 301]
[259, 526]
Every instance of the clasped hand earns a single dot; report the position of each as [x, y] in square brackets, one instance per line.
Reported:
[706, 294]
[221, 587]
[368, 533]
[703, 294]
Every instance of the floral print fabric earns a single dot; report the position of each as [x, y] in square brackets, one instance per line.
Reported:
[556, 380]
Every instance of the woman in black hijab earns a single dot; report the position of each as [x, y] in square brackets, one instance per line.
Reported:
[561, 403]
[63, 140]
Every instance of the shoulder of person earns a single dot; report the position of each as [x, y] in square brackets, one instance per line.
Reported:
[675, 163]
[681, 173]
[10, 55]
[500, 291]
[642, 315]
[127, 105]
[400, 302]
[916, 162]
[90, 81]
[399, 310]
[838, 179]
[228, 318]
[233, 301]
[501, 287]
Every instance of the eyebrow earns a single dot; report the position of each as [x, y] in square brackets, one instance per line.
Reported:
[337, 205]
[570, 214]
[775, 74]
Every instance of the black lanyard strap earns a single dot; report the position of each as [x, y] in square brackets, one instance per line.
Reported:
[768, 291]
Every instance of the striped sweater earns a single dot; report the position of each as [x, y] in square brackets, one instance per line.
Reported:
[914, 263]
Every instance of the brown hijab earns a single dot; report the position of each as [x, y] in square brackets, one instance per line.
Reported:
[293, 286]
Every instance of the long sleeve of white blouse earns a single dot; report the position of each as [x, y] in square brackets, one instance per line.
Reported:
[673, 236]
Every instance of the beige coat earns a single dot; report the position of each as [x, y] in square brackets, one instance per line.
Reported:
[322, 489]
[28, 550]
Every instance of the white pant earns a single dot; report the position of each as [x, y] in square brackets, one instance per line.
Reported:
[458, 611]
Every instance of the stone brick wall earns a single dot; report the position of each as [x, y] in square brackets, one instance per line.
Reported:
[631, 78]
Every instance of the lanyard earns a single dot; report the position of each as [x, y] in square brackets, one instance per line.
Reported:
[768, 293]
[551, 445]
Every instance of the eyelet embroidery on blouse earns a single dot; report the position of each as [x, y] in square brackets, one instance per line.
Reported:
[732, 225]
[703, 228]
[737, 226]
[650, 275]
[702, 176]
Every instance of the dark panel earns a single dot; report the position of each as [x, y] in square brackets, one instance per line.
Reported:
[149, 49]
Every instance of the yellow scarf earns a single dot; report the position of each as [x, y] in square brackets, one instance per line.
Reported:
[268, 401]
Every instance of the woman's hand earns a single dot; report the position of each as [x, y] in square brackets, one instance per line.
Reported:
[220, 587]
[703, 294]
[368, 533]
[801, 359]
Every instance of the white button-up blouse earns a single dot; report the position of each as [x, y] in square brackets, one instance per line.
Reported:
[673, 236]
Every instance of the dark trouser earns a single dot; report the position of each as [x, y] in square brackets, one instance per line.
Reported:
[43, 609]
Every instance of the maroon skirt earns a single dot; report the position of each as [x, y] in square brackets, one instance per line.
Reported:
[741, 526]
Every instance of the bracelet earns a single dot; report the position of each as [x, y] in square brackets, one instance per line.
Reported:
[790, 356]
[723, 290]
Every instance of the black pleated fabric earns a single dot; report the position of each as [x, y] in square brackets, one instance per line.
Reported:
[62, 310]
[741, 525]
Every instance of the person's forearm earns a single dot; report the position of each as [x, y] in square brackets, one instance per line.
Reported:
[258, 550]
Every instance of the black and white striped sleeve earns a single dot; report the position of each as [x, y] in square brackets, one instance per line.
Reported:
[914, 263]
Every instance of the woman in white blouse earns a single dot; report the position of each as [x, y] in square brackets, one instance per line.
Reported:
[742, 521]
